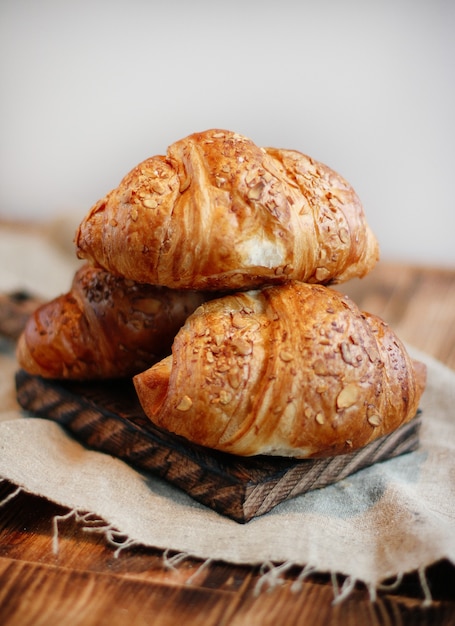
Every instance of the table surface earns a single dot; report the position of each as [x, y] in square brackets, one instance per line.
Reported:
[87, 584]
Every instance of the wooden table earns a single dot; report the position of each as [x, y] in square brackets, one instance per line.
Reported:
[87, 585]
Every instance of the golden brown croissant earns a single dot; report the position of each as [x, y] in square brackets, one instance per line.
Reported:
[105, 327]
[292, 370]
[219, 213]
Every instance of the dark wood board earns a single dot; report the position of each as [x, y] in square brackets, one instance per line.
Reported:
[107, 417]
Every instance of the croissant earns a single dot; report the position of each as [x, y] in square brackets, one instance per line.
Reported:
[105, 327]
[293, 370]
[219, 213]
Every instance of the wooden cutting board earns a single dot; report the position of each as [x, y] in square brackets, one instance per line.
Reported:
[108, 417]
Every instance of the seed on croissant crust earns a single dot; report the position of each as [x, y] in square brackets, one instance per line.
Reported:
[346, 352]
[209, 356]
[159, 187]
[150, 203]
[322, 273]
[242, 347]
[255, 192]
[185, 404]
[223, 366]
[347, 396]
[374, 420]
[251, 178]
[320, 367]
[234, 378]
[225, 397]
[238, 321]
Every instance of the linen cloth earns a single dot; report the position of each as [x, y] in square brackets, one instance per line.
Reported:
[386, 520]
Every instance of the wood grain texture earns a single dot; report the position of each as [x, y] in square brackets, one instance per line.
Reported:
[108, 417]
[85, 585]
[420, 305]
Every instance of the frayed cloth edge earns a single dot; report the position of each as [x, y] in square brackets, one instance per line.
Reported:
[270, 574]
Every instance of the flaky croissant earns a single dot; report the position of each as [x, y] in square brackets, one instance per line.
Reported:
[219, 213]
[293, 370]
[104, 327]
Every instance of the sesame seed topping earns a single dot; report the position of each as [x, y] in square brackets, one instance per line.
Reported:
[150, 202]
[234, 378]
[223, 367]
[251, 178]
[238, 321]
[286, 356]
[319, 367]
[242, 347]
[322, 273]
[158, 187]
[346, 353]
[185, 404]
[255, 192]
[209, 356]
[225, 397]
[348, 396]
[374, 420]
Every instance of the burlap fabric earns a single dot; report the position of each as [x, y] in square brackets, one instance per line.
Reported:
[394, 517]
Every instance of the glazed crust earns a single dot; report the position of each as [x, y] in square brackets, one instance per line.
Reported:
[296, 370]
[220, 213]
[104, 327]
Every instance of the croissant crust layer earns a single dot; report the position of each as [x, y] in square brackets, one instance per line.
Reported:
[296, 370]
[219, 213]
[104, 327]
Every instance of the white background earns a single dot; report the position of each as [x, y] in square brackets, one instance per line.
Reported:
[91, 88]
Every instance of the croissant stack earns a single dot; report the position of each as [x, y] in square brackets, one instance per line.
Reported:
[206, 280]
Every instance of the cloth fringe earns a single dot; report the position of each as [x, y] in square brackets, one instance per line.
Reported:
[91, 523]
[271, 575]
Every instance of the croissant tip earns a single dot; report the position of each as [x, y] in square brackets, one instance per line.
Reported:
[24, 357]
[152, 386]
